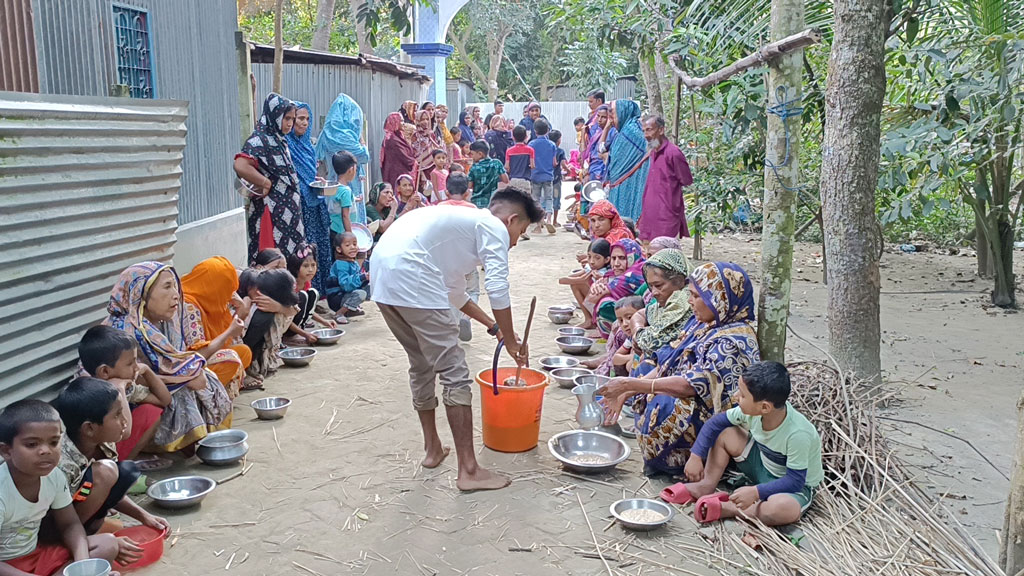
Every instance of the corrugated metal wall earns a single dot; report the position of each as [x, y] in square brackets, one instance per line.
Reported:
[18, 71]
[194, 59]
[103, 175]
[625, 89]
[377, 93]
[560, 114]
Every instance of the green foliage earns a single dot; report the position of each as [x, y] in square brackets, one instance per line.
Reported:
[299, 25]
[588, 64]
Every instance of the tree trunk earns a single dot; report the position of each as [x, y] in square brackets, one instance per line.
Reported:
[495, 52]
[278, 45]
[985, 264]
[654, 100]
[665, 82]
[1011, 549]
[781, 175]
[460, 48]
[849, 175]
[323, 25]
[362, 39]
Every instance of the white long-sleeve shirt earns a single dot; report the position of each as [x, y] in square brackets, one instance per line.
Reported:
[423, 258]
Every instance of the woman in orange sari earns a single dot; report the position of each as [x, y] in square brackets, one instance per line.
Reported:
[211, 328]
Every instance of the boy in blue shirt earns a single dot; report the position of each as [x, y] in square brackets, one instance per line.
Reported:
[775, 447]
[348, 286]
[544, 158]
[340, 205]
[556, 184]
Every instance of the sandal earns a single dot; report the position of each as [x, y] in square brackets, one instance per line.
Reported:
[252, 383]
[153, 463]
[709, 508]
[677, 494]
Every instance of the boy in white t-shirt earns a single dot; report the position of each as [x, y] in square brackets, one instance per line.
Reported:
[30, 485]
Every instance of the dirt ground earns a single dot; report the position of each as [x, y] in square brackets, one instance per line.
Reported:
[335, 487]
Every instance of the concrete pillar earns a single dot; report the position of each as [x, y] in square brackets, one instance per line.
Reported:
[433, 57]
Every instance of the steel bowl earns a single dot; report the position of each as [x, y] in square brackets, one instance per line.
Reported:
[557, 318]
[574, 344]
[297, 357]
[364, 237]
[565, 376]
[556, 362]
[324, 188]
[593, 192]
[328, 336]
[271, 408]
[617, 508]
[566, 446]
[596, 379]
[223, 447]
[90, 567]
[181, 492]
[571, 331]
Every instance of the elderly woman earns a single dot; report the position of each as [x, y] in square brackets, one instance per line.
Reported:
[147, 304]
[381, 208]
[697, 374]
[342, 131]
[627, 162]
[396, 154]
[275, 213]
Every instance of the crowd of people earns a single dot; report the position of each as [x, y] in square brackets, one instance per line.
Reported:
[161, 371]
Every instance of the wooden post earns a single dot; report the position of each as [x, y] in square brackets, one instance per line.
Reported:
[781, 175]
[1011, 549]
[698, 240]
[278, 45]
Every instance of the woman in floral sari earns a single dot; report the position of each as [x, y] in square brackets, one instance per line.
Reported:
[424, 142]
[211, 326]
[146, 303]
[697, 374]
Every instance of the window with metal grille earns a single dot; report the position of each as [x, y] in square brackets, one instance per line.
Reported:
[134, 49]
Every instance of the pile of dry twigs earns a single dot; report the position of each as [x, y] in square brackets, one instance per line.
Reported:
[869, 516]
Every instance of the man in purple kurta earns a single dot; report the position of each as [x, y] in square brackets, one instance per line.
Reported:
[663, 212]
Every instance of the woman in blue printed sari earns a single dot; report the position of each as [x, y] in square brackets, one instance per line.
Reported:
[697, 374]
[627, 162]
[343, 130]
[314, 207]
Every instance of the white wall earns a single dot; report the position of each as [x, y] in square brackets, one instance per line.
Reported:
[220, 235]
[560, 114]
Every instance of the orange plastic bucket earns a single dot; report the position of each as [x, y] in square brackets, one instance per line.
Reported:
[511, 420]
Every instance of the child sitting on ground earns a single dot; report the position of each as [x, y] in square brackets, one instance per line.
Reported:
[775, 447]
[349, 284]
[30, 485]
[302, 265]
[618, 353]
[93, 420]
[439, 175]
[110, 354]
[264, 329]
[595, 268]
[340, 205]
[485, 174]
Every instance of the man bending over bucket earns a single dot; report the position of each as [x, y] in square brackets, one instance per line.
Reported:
[418, 268]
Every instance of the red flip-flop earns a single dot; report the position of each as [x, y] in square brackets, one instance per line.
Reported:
[677, 494]
[709, 508]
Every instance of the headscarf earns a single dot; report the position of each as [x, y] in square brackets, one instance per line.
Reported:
[619, 230]
[665, 322]
[665, 243]
[467, 132]
[342, 130]
[424, 142]
[408, 111]
[633, 278]
[397, 155]
[209, 287]
[630, 146]
[163, 347]
[303, 156]
[442, 131]
[373, 197]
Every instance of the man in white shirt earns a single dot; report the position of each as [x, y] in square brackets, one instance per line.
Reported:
[417, 272]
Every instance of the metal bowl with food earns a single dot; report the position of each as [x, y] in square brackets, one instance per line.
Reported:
[181, 492]
[641, 513]
[595, 379]
[328, 336]
[271, 408]
[565, 376]
[574, 344]
[588, 451]
[223, 447]
[556, 362]
[571, 331]
[297, 357]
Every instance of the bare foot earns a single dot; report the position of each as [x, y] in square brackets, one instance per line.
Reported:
[482, 479]
[435, 460]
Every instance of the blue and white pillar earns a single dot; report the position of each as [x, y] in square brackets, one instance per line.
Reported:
[433, 57]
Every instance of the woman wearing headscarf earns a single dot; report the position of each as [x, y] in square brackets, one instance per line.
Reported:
[315, 219]
[342, 131]
[627, 264]
[697, 374]
[606, 223]
[274, 216]
[397, 156]
[146, 304]
[381, 208]
[627, 163]
[408, 111]
[441, 128]
[465, 119]
[479, 128]
[667, 310]
[424, 142]
[499, 138]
